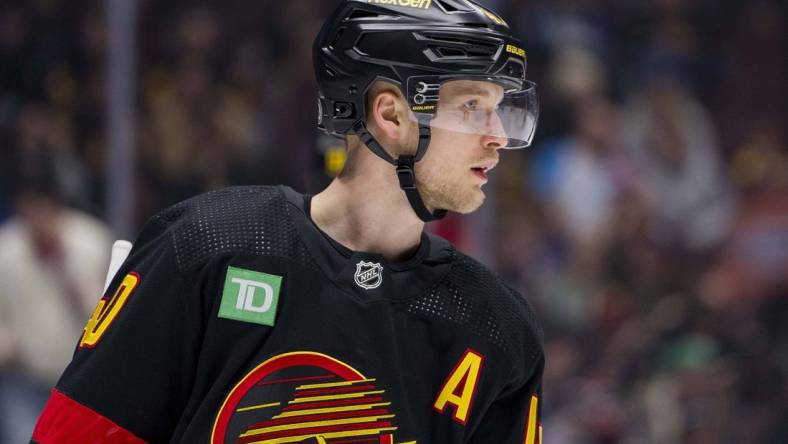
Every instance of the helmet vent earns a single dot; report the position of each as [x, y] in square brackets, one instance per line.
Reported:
[361, 14]
[452, 6]
[450, 52]
[336, 38]
[444, 51]
[479, 45]
[476, 25]
[446, 45]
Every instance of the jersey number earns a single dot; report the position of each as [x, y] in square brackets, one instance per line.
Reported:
[106, 310]
[460, 387]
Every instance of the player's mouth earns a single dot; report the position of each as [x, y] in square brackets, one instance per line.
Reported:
[482, 169]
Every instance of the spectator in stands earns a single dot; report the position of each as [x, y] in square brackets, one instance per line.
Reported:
[52, 266]
[674, 146]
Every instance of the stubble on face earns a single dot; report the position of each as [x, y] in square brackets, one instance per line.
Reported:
[444, 178]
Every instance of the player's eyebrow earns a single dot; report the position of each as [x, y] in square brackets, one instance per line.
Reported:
[467, 90]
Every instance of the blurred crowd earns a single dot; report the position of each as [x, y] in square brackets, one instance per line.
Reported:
[648, 224]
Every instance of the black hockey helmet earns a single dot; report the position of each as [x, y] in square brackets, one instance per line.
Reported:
[420, 46]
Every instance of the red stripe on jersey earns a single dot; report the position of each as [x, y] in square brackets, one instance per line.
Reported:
[340, 403]
[305, 378]
[333, 391]
[319, 417]
[65, 421]
[315, 431]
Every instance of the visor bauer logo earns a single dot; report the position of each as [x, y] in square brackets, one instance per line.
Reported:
[421, 4]
[422, 108]
[368, 275]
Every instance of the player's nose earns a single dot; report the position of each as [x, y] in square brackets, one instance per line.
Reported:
[495, 135]
[494, 143]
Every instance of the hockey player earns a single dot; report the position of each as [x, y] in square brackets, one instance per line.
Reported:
[259, 314]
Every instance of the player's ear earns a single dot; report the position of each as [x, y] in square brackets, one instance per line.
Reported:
[389, 114]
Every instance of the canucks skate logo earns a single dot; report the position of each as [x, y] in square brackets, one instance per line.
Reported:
[368, 275]
[306, 397]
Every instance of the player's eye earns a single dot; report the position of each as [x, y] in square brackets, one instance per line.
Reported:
[471, 105]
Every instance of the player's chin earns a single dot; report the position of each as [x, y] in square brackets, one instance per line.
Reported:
[468, 203]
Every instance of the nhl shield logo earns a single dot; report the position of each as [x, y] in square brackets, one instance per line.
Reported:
[369, 275]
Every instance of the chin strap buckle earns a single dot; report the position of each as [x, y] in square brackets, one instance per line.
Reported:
[404, 167]
[407, 179]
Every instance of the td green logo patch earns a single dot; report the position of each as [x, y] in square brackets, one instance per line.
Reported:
[250, 296]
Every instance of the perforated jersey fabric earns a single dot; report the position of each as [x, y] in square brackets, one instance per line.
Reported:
[250, 219]
[475, 298]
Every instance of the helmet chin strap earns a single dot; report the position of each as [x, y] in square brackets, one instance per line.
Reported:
[404, 165]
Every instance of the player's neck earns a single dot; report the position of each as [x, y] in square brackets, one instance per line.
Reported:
[368, 212]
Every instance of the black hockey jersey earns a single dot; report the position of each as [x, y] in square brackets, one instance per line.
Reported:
[236, 320]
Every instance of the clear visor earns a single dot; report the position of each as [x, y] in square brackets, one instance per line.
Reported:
[482, 108]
